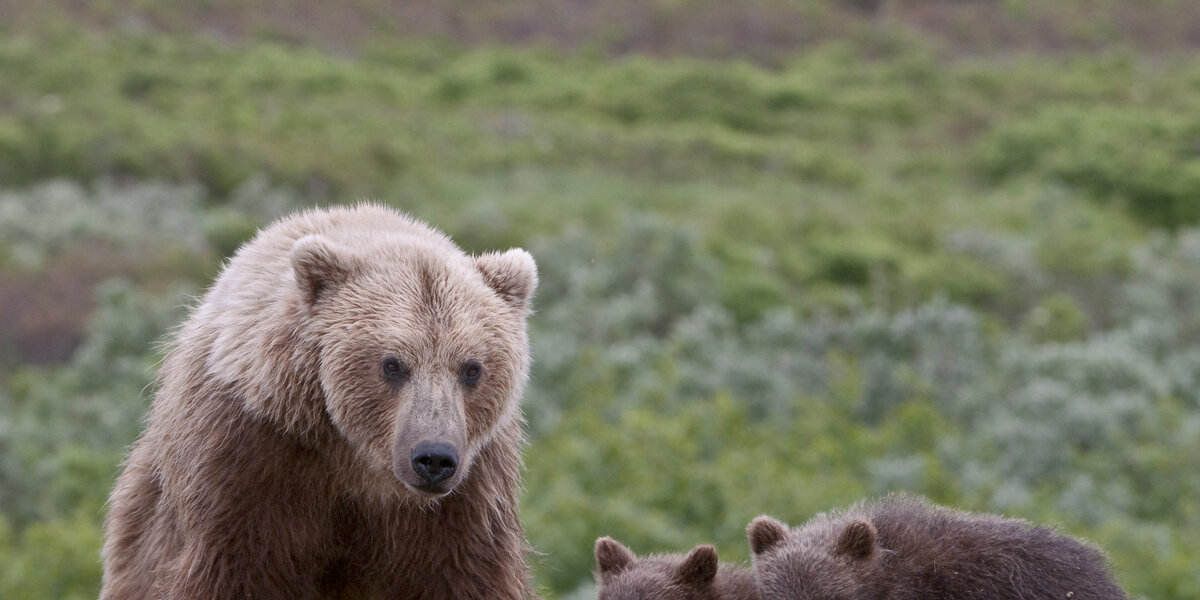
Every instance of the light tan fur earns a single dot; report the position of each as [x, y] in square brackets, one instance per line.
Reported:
[275, 462]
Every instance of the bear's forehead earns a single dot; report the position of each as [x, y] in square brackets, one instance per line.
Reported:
[425, 321]
[442, 290]
[428, 313]
[639, 580]
[804, 548]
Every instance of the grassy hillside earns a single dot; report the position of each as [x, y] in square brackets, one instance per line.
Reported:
[771, 283]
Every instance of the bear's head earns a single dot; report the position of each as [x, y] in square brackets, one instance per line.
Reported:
[421, 349]
[827, 560]
[623, 576]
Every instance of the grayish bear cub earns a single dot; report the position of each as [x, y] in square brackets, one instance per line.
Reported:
[903, 548]
[338, 418]
[695, 576]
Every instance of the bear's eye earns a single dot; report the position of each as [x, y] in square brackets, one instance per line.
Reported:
[470, 372]
[395, 370]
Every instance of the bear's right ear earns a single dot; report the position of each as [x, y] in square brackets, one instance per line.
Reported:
[512, 275]
[765, 533]
[699, 567]
[857, 540]
[319, 266]
[612, 557]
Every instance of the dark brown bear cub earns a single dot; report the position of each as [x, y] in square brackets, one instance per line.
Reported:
[904, 548]
[696, 576]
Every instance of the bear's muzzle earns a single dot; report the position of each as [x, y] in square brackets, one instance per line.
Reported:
[434, 462]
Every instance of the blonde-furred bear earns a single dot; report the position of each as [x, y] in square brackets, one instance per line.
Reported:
[339, 417]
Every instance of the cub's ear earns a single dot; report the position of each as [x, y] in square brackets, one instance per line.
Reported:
[612, 557]
[857, 540]
[765, 533]
[699, 567]
[512, 274]
[320, 266]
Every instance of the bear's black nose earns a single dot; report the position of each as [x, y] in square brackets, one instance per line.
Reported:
[434, 462]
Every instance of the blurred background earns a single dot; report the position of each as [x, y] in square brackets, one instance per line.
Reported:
[793, 252]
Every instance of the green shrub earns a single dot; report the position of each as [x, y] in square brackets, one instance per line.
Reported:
[51, 559]
[1143, 159]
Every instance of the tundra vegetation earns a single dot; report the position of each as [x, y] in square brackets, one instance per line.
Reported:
[945, 247]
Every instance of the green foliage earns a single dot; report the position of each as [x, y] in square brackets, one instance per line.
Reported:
[64, 430]
[1144, 159]
[45, 220]
[51, 559]
[1058, 318]
[189, 109]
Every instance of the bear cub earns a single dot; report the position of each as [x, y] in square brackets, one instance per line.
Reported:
[696, 576]
[904, 548]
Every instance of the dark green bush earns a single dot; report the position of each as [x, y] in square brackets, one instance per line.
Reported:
[1145, 160]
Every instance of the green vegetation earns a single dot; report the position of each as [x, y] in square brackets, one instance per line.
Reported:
[767, 287]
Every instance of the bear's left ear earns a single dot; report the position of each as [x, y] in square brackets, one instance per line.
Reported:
[699, 567]
[765, 533]
[612, 557]
[512, 274]
[857, 540]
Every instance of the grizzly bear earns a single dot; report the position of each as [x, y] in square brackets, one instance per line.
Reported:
[904, 548]
[337, 418]
[697, 576]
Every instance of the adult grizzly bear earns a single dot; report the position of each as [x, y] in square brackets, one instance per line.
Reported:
[904, 548]
[338, 418]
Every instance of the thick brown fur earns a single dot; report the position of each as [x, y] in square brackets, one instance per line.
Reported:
[278, 460]
[904, 548]
[695, 576]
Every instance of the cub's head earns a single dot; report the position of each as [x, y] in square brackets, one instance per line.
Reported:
[826, 560]
[422, 352]
[623, 576]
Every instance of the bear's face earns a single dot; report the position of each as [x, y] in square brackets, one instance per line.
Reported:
[423, 355]
[623, 576]
[836, 560]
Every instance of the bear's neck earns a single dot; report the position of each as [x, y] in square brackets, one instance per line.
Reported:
[462, 544]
